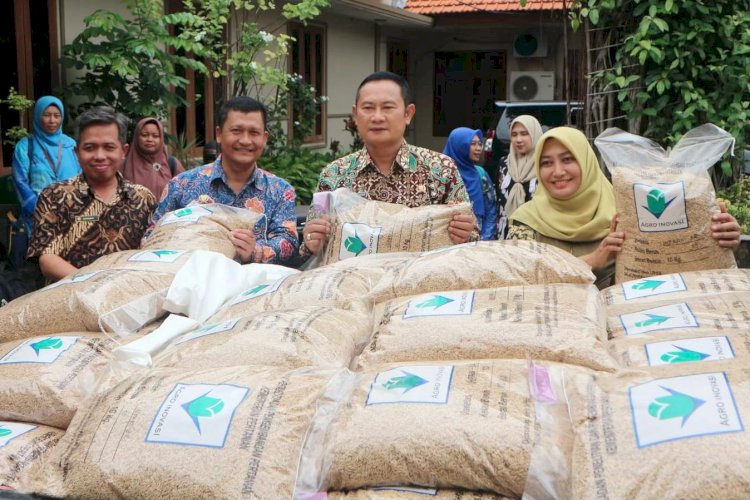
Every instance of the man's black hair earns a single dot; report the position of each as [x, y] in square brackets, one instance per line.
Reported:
[243, 104]
[387, 75]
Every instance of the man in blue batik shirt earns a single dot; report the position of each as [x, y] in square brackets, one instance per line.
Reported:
[235, 179]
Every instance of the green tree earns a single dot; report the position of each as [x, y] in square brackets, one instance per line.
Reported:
[675, 65]
[131, 63]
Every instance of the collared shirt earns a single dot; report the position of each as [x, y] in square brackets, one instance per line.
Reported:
[70, 221]
[419, 177]
[264, 193]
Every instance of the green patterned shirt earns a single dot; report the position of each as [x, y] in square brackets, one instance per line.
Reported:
[419, 177]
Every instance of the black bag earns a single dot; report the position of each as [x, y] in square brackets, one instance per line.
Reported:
[19, 243]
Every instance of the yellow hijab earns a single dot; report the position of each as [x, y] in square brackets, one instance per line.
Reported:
[586, 216]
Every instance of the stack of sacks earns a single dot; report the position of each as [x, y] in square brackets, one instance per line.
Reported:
[21, 445]
[202, 227]
[119, 292]
[678, 318]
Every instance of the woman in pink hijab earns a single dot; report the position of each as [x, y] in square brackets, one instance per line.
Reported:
[147, 162]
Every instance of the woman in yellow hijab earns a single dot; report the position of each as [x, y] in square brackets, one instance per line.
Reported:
[574, 204]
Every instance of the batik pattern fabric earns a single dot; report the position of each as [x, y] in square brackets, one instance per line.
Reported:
[419, 177]
[265, 193]
[70, 221]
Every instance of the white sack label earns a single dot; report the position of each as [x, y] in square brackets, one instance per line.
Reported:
[412, 384]
[39, 350]
[76, 278]
[197, 415]
[671, 409]
[164, 255]
[208, 330]
[258, 290]
[660, 207]
[659, 318]
[657, 285]
[689, 351]
[440, 304]
[358, 239]
[185, 215]
[11, 430]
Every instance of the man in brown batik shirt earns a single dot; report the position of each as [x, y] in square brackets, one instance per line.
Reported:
[95, 213]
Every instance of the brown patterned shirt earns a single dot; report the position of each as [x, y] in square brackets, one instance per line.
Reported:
[419, 177]
[70, 221]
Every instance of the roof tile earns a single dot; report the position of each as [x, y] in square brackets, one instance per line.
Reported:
[465, 6]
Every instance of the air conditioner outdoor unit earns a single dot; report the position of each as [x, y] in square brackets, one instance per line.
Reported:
[532, 86]
[530, 45]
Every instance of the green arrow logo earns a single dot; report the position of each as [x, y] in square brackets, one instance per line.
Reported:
[683, 355]
[255, 290]
[657, 202]
[653, 319]
[48, 343]
[183, 212]
[676, 405]
[4, 431]
[435, 301]
[163, 253]
[203, 406]
[648, 285]
[354, 244]
[407, 382]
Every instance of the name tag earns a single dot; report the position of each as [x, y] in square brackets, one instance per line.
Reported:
[87, 218]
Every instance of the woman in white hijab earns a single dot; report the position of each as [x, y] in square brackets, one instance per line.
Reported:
[517, 171]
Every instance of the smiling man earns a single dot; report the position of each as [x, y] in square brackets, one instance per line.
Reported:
[387, 168]
[235, 179]
[95, 213]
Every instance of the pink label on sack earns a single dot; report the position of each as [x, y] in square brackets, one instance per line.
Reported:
[541, 385]
[320, 202]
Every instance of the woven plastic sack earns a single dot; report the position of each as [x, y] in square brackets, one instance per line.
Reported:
[365, 227]
[711, 314]
[483, 264]
[289, 338]
[202, 227]
[561, 322]
[447, 425]
[671, 433]
[21, 445]
[226, 433]
[118, 293]
[45, 379]
[665, 201]
[669, 348]
[344, 288]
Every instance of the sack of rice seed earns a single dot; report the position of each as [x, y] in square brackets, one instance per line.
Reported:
[407, 493]
[667, 433]
[364, 227]
[665, 201]
[118, 293]
[561, 322]
[202, 227]
[21, 445]
[340, 288]
[289, 338]
[482, 264]
[45, 379]
[452, 425]
[225, 433]
[669, 348]
[678, 286]
[715, 314]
